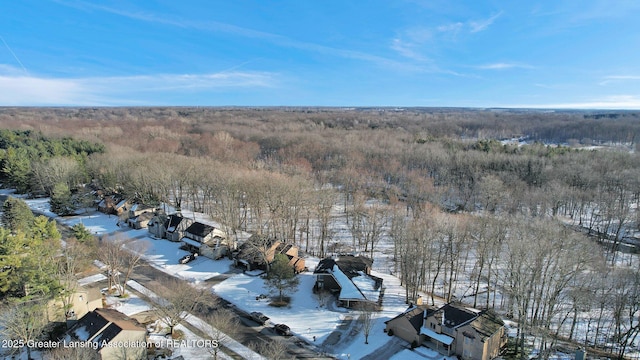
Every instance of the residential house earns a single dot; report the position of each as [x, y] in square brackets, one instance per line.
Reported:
[108, 204]
[101, 328]
[207, 240]
[141, 221]
[169, 227]
[81, 301]
[407, 325]
[139, 209]
[452, 330]
[122, 207]
[350, 279]
[259, 251]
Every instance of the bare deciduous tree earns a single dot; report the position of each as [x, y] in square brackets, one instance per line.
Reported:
[73, 353]
[367, 319]
[23, 322]
[224, 326]
[121, 257]
[177, 299]
[275, 349]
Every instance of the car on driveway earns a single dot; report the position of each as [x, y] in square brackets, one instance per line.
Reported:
[282, 329]
[259, 317]
[188, 258]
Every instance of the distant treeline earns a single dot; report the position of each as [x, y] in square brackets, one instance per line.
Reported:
[584, 127]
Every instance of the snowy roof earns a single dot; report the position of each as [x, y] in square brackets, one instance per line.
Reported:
[191, 242]
[348, 290]
[445, 339]
[367, 285]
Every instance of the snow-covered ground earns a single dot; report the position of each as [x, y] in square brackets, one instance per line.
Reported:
[306, 316]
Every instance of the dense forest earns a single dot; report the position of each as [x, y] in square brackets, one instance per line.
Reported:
[532, 213]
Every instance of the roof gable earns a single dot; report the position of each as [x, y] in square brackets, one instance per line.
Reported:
[352, 264]
[200, 229]
[103, 325]
[88, 326]
[172, 221]
[487, 323]
[414, 315]
[453, 316]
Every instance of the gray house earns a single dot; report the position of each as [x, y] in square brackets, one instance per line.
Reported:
[171, 227]
[207, 240]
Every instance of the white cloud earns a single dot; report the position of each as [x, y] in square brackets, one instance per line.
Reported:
[503, 66]
[30, 90]
[23, 90]
[619, 78]
[481, 25]
[451, 28]
[472, 26]
[614, 102]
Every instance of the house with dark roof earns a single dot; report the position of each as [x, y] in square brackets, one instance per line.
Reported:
[468, 333]
[349, 278]
[106, 331]
[407, 325]
[170, 227]
[207, 240]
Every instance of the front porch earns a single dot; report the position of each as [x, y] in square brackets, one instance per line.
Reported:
[439, 342]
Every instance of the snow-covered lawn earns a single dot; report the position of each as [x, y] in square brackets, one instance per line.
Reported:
[304, 316]
[307, 318]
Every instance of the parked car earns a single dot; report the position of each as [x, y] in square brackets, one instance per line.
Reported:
[259, 317]
[188, 258]
[282, 329]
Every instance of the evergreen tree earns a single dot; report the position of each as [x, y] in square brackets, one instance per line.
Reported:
[17, 215]
[61, 202]
[281, 276]
[81, 232]
[16, 168]
[11, 249]
[27, 260]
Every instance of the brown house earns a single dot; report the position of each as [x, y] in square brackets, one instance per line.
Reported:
[452, 330]
[102, 327]
[259, 250]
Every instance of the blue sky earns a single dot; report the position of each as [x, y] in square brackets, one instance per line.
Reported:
[545, 54]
